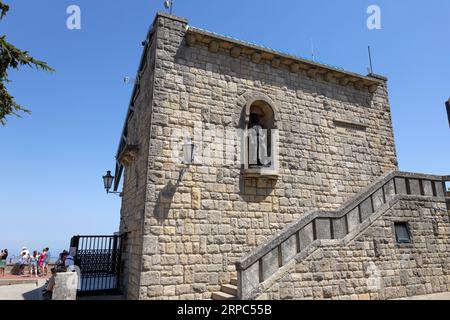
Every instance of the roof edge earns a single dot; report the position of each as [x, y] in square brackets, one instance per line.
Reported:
[170, 16]
[371, 79]
[377, 76]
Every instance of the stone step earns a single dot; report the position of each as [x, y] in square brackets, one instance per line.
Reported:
[233, 281]
[222, 296]
[12, 282]
[230, 289]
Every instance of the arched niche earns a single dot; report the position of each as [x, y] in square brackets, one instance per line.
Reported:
[259, 99]
[259, 154]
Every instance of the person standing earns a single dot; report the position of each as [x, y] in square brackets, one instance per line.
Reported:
[24, 260]
[69, 262]
[3, 257]
[47, 260]
[34, 263]
[41, 261]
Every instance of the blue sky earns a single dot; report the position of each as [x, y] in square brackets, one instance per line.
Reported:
[53, 160]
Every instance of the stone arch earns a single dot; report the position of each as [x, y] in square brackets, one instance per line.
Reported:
[251, 98]
[260, 107]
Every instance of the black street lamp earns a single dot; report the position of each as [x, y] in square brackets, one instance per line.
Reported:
[108, 181]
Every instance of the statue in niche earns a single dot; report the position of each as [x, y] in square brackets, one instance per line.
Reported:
[258, 142]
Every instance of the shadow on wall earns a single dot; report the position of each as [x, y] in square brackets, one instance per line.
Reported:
[254, 190]
[164, 201]
[165, 198]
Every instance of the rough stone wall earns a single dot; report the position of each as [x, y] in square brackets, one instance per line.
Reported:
[135, 176]
[373, 265]
[194, 231]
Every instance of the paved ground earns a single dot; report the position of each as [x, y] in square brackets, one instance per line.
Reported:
[26, 276]
[436, 296]
[8, 280]
[22, 291]
[102, 298]
[33, 292]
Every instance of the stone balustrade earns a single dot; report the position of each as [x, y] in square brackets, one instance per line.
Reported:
[66, 284]
[301, 238]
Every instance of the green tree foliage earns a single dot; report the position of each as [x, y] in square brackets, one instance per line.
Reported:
[12, 57]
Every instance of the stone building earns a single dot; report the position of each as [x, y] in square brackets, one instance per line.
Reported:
[328, 216]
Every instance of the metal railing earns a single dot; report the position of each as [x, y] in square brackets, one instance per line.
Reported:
[98, 258]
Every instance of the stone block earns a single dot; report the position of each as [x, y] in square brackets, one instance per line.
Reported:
[353, 219]
[389, 190]
[323, 228]
[150, 278]
[378, 199]
[400, 184]
[366, 209]
[339, 228]
[438, 185]
[286, 291]
[196, 198]
[427, 188]
[66, 285]
[150, 245]
[289, 249]
[306, 236]
[327, 292]
[248, 280]
[414, 187]
[364, 296]
[270, 264]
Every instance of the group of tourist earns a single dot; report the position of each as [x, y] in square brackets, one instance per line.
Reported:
[3, 257]
[37, 262]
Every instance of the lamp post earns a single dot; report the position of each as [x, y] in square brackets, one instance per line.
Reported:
[107, 182]
[188, 157]
[188, 152]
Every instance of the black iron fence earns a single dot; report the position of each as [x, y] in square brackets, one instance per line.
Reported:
[98, 258]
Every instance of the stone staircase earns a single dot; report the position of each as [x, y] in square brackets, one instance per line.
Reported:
[266, 263]
[227, 291]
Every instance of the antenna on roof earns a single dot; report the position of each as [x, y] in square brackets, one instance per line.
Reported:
[447, 105]
[168, 4]
[312, 50]
[370, 60]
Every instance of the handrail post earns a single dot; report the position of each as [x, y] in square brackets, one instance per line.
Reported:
[446, 191]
